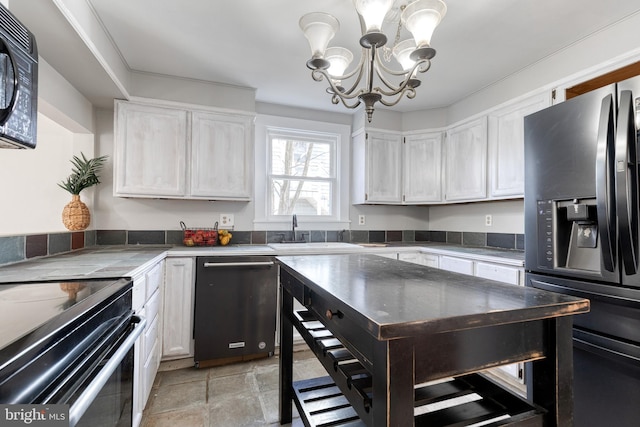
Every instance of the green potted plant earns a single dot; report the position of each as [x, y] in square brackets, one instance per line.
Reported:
[76, 215]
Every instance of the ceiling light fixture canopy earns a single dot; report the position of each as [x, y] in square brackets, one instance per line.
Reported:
[419, 17]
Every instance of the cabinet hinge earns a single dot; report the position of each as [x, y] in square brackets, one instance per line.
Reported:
[404, 198]
[366, 136]
[404, 139]
[553, 95]
[366, 196]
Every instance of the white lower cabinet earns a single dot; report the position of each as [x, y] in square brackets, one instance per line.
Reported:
[147, 302]
[177, 342]
[456, 265]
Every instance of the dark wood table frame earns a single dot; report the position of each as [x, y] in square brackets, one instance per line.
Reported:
[404, 357]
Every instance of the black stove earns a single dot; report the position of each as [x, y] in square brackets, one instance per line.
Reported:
[56, 338]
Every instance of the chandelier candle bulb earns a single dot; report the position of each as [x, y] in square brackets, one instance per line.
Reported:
[421, 17]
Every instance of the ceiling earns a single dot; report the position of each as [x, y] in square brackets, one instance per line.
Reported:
[258, 44]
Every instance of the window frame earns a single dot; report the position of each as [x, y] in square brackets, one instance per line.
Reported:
[307, 137]
[338, 134]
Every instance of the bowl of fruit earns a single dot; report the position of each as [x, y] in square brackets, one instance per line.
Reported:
[199, 236]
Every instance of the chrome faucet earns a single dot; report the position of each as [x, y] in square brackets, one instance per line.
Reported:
[294, 224]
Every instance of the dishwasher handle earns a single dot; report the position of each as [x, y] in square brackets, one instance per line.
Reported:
[239, 264]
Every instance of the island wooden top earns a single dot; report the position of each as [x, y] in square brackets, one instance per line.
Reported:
[393, 299]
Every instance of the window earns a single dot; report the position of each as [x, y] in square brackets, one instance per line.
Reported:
[302, 168]
[301, 173]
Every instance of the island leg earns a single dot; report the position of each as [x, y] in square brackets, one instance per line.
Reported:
[286, 356]
[551, 384]
[393, 381]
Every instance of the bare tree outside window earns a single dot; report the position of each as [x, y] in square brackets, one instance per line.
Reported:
[302, 176]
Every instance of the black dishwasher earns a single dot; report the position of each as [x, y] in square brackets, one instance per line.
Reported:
[235, 309]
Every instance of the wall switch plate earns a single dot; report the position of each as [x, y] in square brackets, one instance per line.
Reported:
[361, 220]
[226, 221]
[488, 220]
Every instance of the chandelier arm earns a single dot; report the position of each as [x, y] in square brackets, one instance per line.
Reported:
[335, 90]
[335, 99]
[409, 91]
[394, 90]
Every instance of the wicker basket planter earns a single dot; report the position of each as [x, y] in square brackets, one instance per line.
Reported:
[76, 215]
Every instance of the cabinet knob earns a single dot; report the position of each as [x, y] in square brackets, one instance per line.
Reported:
[329, 314]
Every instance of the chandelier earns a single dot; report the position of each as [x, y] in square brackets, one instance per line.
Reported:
[419, 17]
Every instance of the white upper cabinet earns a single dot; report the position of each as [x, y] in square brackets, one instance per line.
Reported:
[377, 168]
[150, 151]
[466, 161]
[166, 151]
[422, 168]
[221, 155]
[506, 145]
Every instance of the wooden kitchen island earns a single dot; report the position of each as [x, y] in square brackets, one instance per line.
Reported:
[386, 330]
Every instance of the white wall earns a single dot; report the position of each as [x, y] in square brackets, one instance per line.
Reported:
[32, 202]
[507, 217]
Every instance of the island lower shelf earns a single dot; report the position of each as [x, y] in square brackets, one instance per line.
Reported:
[344, 397]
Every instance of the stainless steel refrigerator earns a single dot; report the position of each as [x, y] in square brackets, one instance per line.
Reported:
[581, 238]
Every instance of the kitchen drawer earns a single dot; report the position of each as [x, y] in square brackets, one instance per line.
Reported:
[410, 257]
[499, 273]
[150, 369]
[457, 265]
[154, 278]
[150, 337]
[431, 260]
[152, 307]
[392, 255]
[138, 297]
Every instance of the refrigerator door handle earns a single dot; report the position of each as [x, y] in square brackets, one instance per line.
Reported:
[605, 184]
[627, 183]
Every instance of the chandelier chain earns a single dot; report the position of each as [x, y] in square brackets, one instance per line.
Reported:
[387, 52]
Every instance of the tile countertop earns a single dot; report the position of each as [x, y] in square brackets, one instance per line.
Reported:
[126, 261]
[91, 263]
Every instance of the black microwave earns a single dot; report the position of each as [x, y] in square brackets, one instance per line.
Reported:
[18, 83]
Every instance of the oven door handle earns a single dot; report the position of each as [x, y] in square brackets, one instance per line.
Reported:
[77, 410]
[239, 264]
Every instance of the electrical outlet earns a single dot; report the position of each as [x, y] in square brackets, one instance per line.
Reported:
[361, 220]
[226, 221]
[488, 220]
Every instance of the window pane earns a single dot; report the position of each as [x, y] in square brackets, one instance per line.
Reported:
[300, 158]
[300, 197]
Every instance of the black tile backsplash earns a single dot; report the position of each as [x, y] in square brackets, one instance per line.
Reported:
[20, 248]
[111, 237]
[454, 237]
[36, 245]
[501, 240]
[474, 239]
[59, 242]
[377, 236]
[153, 237]
[12, 249]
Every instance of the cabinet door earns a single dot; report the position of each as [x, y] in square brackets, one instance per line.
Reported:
[221, 154]
[383, 168]
[177, 330]
[466, 161]
[422, 181]
[150, 151]
[506, 146]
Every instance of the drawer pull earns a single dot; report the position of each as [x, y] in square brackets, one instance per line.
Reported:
[330, 314]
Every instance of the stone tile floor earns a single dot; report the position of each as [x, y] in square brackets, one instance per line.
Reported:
[238, 395]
